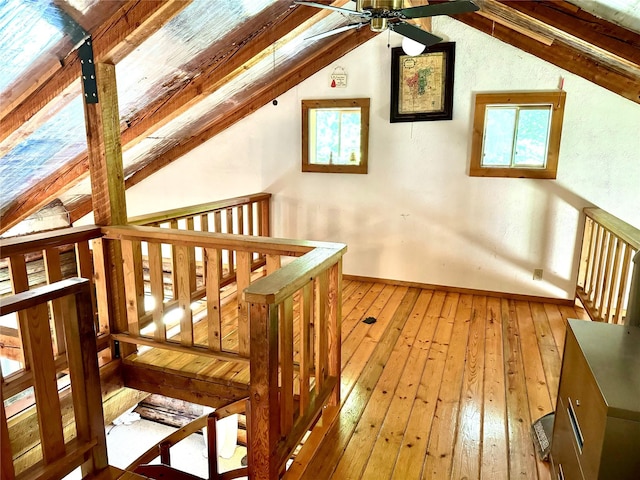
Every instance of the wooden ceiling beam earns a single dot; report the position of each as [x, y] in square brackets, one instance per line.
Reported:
[334, 48]
[562, 55]
[114, 39]
[237, 51]
[223, 68]
[44, 192]
[589, 28]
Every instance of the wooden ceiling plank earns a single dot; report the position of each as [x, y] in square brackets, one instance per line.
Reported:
[118, 36]
[235, 53]
[562, 55]
[285, 80]
[170, 106]
[580, 24]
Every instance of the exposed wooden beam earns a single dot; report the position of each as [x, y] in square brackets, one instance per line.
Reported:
[589, 28]
[338, 46]
[44, 192]
[562, 55]
[275, 25]
[118, 36]
[244, 46]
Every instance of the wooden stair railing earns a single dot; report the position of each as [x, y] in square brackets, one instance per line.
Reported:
[63, 448]
[162, 448]
[606, 263]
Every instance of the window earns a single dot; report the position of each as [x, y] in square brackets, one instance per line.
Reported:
[517, 134]
[335, 135]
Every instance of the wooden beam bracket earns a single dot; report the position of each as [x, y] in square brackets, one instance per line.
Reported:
[89, 83]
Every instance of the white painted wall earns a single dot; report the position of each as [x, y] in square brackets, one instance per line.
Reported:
[417, 215]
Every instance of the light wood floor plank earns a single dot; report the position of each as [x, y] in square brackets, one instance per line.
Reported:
[495, 458]
[445, 426]
[467, 450]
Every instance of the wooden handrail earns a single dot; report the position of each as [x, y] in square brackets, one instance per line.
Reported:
[188, 238]
[621, 229]
[284, 282]
[178, 213]
[40, 241]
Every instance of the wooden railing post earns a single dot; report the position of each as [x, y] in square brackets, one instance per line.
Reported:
[633, 307]
[263, 391]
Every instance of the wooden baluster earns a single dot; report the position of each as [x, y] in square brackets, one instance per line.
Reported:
[264, 422]
[584, 254]
[229, 219]
[156, 281]
[204, 227]
[7, 471]
[624, 279]
[174, 264]
[84, 264]
[45, 386]
[53, 273]
[614, 281]
[102, 288]
[286, 366]
[250, 224]
[214, 325]
[240, 210]
[606, 277]
[184, 297]
[192, 258]
[217, 222]
[85, 377]
[133, 282]
[273, 263]
[263, 217]
[243, 279]
[305, 345]
[334, 318]
[591, 258]
[20, 283]
[599, 258]
[320, 317]
[165, 453]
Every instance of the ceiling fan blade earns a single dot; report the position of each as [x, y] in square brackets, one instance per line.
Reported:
[414, 33]
[444, 8]
[335, 9]
[336, 30]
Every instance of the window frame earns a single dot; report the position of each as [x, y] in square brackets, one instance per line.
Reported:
[364, 105]
[555, 98]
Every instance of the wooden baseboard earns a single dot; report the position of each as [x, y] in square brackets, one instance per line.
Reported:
[469, 291]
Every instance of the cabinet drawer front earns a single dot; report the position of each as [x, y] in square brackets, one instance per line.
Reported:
[563, 451]
[584, 408]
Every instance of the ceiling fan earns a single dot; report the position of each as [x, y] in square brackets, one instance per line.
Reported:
[383, 14]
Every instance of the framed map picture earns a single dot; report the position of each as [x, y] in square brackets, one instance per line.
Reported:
[422, 85]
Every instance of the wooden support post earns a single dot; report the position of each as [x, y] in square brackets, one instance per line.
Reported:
[107, 187]
[243, 279]
[264, 422]
[85, 377]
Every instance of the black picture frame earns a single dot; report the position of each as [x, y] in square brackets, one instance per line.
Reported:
[442, 110]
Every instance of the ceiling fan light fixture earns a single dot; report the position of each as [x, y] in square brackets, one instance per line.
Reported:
[378, 24]
[411, 47]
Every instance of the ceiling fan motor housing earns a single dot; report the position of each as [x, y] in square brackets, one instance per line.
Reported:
[380, 10]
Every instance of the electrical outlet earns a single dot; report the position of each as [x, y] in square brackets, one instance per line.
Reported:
[537, 274]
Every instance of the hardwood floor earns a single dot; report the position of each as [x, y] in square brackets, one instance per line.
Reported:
[443, 385]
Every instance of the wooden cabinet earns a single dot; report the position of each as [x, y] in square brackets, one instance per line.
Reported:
[596, 432]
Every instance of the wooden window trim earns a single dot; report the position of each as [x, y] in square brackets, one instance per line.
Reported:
[556, 98]
[364, 105]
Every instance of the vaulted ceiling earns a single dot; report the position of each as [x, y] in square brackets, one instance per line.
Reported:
[186, 70]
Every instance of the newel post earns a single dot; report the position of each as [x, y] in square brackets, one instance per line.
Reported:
[264, 423]
[633, 306]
